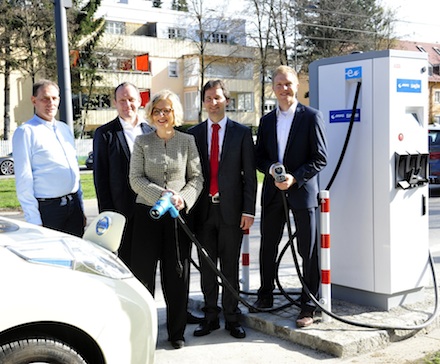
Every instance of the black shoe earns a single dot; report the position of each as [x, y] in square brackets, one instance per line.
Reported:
[178, 344]
[236, 330]
[304, 319]
[206, 327]
[262, 303]
[191, 319]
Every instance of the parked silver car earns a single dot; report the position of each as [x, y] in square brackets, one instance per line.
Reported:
[7, 165]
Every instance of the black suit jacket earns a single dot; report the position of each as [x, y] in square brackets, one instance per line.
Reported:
[305, 155]
[236, 176]
[111, 162]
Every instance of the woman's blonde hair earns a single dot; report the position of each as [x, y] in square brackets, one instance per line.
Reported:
[175, 105]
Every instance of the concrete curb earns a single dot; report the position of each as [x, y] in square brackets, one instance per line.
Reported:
[337, 338]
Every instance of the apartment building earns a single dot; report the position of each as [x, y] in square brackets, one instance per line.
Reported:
[433, 51]
[157, 48]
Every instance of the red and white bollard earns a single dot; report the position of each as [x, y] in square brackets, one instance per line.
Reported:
[245, 262]
[326, 292]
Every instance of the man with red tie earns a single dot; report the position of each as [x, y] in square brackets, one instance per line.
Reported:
[226, 206]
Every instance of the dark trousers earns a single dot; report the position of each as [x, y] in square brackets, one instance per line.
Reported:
[273, 220]
[154, 241]
[222, 242]
[63, 214]
[124, 251]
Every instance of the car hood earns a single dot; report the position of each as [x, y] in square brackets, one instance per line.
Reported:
[14, 231]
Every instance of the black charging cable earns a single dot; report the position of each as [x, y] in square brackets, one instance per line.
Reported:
[304, 285]
[290, 243]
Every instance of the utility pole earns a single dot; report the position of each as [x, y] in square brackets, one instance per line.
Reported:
[64, 81]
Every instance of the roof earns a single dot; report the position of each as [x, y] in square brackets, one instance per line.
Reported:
[432, 49]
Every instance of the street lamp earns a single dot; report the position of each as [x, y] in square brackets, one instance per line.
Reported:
[66, 112]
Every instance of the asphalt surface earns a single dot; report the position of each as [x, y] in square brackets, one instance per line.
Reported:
[273, 337]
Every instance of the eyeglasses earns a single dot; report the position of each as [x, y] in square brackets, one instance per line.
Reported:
[157, 112]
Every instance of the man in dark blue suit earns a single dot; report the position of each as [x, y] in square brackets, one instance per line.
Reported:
[293, 135]
[225, 209]
[112, 146]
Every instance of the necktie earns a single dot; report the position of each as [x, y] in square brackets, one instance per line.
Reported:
[213, 187]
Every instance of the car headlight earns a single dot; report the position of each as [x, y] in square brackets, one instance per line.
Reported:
[72, 253]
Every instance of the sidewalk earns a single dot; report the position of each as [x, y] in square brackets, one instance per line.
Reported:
[335, 338]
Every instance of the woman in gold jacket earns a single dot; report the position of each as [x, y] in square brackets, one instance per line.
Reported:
[165, 160]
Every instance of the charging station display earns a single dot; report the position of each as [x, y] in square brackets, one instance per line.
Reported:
[379, 198]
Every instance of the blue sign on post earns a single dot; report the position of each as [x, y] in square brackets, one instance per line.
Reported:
[414, 86]
[344, 116]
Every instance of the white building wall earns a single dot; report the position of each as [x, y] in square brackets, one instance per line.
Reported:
[161, 51]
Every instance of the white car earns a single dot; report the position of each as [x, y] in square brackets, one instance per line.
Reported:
[66, 300]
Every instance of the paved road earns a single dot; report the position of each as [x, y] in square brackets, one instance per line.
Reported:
[219, 347]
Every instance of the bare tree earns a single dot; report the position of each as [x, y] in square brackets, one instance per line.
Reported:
[206, 28]
[282, 30]
[85, 34]
[6, 34]
[19, 37]
[34, 44]
[334, 27]
[260, 35]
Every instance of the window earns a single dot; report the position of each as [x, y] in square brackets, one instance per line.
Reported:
[172, 69]
[437, 97]
[245, 101]
[98, 101]
[268, 76]
[143, 63]
[174, 33]
[420, 48]
[437, 50]
[231, 105]
[218, 38]
[269, 105]
[145, 97]
[115, 27]
[125, 64]
[191, 108]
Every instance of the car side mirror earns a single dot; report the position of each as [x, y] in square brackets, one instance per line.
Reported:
[106, 230]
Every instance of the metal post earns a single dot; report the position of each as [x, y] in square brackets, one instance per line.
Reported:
[64, 82]
[245, 262]
[326, 292]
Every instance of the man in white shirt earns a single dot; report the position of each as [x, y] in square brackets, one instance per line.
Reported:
[112, 147]
[293, 135]
[46, 168]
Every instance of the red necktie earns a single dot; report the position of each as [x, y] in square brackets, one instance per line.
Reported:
[213, 187]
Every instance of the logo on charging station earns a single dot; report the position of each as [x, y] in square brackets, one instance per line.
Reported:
[414, 86]
[344, 116]
[353, 73]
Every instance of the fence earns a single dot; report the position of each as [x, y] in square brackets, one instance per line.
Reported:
[83, 147]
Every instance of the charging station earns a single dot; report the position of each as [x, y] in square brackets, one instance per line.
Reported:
[379, 199]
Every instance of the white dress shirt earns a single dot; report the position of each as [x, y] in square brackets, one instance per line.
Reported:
[284, 124]
[45, 164]
[131, 132]
[221, 135]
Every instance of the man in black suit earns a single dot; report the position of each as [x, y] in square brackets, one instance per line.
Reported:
[226, 208]
[112, 147]
[293, 135]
